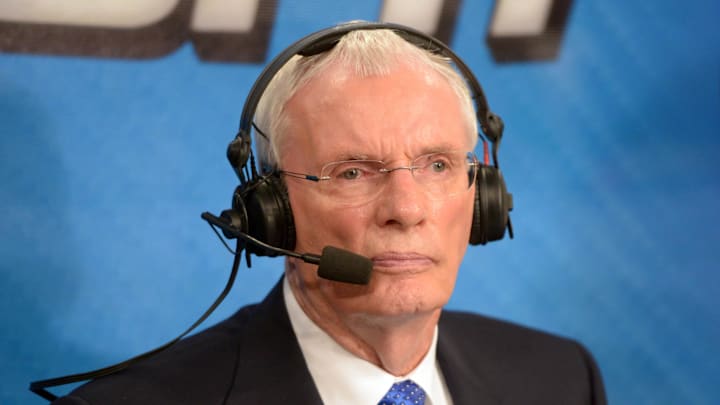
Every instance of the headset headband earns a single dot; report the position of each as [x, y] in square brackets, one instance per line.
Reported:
[490, 124]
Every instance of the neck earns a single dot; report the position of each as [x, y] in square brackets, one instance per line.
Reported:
[395, 343]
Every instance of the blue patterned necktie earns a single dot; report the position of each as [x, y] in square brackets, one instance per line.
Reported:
[404, 393]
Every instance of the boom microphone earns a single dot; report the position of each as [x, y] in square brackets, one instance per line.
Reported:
[333, 264]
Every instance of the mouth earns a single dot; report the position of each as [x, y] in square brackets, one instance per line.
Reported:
[401, 262]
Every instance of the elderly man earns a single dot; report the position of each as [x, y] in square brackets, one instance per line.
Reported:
[373, 141]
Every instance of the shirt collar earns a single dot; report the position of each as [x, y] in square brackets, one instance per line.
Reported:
[341, 377]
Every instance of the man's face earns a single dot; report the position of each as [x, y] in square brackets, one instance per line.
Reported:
[416, 242]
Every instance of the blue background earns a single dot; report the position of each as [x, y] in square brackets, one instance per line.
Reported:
[611, 152]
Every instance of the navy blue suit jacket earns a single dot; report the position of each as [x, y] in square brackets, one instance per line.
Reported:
[253, 357]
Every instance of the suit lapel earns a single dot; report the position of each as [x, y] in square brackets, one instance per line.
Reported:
[466, 384]
[271, 368]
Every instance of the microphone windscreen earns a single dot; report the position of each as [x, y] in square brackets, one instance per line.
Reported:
[344, 266]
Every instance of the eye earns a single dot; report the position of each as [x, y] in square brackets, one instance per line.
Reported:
[438, 162]
[353, 170]
[351, 173]
[438, 166]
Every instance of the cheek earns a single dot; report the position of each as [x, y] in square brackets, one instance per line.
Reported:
[318, 224]
[454, 217]
[455, 221]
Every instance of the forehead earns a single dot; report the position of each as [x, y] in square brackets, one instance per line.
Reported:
[406, 112]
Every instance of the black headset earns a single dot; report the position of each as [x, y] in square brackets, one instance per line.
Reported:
[260, 204]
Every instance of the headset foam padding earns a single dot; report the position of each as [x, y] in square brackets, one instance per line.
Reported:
[491, 206]
[345, 266]
[269, 217]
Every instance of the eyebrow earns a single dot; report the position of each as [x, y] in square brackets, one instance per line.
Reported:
[440, 147]
[352, 156]
[435, 148]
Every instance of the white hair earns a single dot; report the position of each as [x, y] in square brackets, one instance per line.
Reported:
[364, 53]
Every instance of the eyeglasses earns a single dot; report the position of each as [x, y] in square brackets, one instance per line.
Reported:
[441, 175]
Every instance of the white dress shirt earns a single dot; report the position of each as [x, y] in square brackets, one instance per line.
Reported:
[343, 378]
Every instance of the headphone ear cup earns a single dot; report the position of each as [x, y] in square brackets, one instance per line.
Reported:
[491, 207]
[266, 206]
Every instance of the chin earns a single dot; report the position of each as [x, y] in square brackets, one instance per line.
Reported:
[393, 297]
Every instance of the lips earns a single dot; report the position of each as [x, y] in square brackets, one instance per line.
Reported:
[401, 261]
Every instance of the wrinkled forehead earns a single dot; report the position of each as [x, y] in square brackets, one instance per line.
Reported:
[407, 110]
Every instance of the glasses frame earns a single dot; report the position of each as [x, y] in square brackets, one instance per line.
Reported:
[473, 163]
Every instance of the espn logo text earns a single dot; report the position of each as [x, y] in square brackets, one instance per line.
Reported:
[239, 30]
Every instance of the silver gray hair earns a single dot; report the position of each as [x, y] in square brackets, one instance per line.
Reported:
[364, 53]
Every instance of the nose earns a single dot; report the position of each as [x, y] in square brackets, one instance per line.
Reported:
[402, 202]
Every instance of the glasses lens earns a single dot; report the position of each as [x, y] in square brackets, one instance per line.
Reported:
[445, 174]
[352, 180]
